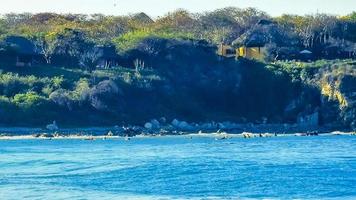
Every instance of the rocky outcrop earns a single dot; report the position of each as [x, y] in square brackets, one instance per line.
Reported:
[182, 125]
[52, 127]
[339, 90]
[152, 125]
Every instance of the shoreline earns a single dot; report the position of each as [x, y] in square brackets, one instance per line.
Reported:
[154, 128]
[217, 136]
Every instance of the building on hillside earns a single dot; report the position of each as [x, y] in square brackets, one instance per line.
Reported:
[249, 52]
[226, 51]
[253, 43]
[252, 52]
[305, 55]
[20, 51]
[250, 45]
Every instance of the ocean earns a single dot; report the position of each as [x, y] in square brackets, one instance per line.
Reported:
[179, 167]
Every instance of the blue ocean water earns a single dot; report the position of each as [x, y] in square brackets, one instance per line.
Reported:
[180, 168]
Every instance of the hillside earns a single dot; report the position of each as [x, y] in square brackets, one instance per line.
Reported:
[97, 70]
[193, 85]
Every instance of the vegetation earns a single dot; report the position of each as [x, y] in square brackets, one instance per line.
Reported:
[326, 35]
[168, 67]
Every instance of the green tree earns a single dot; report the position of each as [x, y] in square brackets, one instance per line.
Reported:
[47, 44]
[28, 99]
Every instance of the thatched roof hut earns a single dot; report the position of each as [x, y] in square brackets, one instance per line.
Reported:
[306, 52]
[264, 32]
[142, 17]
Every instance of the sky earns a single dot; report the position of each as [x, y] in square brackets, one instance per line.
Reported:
[156, 8]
